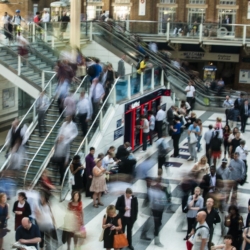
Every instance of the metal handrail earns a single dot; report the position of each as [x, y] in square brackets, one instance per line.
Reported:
[41, 170]
[29, 109]
[92, 125]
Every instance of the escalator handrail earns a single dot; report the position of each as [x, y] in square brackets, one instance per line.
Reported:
[57, 121]
[31, 107]
[89, 130]
[148, 51]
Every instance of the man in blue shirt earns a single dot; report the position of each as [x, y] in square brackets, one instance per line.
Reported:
[195, 129]
[28, 234]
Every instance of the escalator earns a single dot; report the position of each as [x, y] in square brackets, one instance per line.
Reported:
[108, 37]
[42, 155]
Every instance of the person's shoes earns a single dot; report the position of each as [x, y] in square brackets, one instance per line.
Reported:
[100, 204]
[186, 238]
[142, 151]
[144, 237]
[157, 242]
[131, 247]
[190, 159]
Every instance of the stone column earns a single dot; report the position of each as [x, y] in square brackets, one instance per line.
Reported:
[75, 12]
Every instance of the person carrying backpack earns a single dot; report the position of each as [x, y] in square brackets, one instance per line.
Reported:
[215, 147]
[16, 20]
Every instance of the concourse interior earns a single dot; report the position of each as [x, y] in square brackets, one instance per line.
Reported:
[174, 225]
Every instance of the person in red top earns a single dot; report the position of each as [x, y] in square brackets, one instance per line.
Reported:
[37, 18]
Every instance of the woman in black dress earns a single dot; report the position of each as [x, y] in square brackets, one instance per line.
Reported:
[234, 222]
[111, 223]
[76, 169]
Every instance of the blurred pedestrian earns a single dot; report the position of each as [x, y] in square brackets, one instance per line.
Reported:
[228, 240]
[66, 135]
[176, 134]
[151, 126]
[193, 133]
[215, 147]
[84, 112]
[145, 131]
[64, 23]
[98, 185]
[162, 149]
[200, 169]
[21, 209]
[160, 116]
[75, 208]
[46, 184]
[42, 105]
[111, 224]
[46, 222]
[207, 137]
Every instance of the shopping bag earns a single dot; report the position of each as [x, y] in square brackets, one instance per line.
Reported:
[120, 240]
[102, 234]
[82, 233]
[193, 138]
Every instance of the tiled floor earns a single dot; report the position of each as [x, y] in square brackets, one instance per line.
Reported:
[174, 224]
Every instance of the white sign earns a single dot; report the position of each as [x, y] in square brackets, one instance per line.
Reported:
[244, 76]
[135, 104]
[142, 7]
[248, 10]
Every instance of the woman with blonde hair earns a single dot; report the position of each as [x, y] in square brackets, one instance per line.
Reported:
[98, 185]
[111, 223]
[190, 120]
[200, 168]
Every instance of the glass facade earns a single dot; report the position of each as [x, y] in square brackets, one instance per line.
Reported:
[165, 15]
[197, 1]
[227, 2]
[196, 15]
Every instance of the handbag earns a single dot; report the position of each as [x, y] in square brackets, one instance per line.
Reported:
[193, 138]
[120, 240]
[82, 233]
[102, 235]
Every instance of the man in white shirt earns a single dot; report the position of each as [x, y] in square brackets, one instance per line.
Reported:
[145, 131]
[190, 94]
[46, 17]
[151, 126]
[243, 152]
[227, 104]
[108, 161]
[42, 105]
[83, 108]
[96, 94]
[5, 20]
[160, 116]
[207, 138]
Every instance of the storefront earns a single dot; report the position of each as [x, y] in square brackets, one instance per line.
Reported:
[133, 112]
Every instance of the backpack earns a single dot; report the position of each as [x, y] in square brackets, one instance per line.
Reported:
[15, 18]
[138, 66]
[215, 144]
[91, 70]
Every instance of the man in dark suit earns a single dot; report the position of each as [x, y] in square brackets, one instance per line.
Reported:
[244, 114]
[210, 182]
[239, 101]
[122, 150]
[127, 205]
[170, 117]
[121, 67]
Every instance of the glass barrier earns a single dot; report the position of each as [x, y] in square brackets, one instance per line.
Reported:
[29, 119]
[40, 159]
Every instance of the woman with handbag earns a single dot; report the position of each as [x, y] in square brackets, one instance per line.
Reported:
[194, 203]
[21, 209]
[111, 224]
[4, 216]
[98, 185]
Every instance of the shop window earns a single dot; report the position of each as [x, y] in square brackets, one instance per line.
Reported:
[168, 1]
[197, 1]
[94, 11]
[166, 15]
[122, 1]
[227, 16]
[227, 2]
[196, 15]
